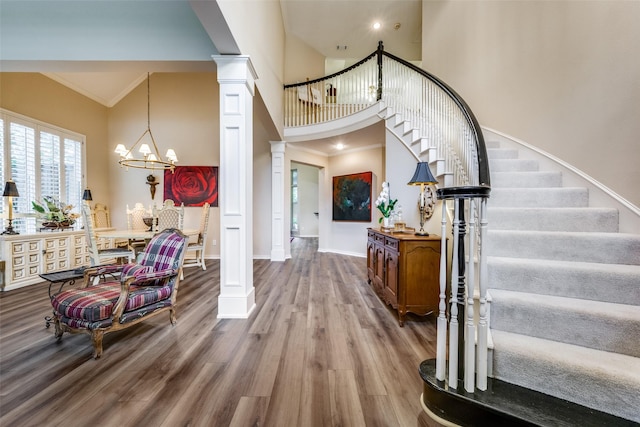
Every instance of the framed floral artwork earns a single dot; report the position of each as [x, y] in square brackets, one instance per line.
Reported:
[352, 197]
[192, 185]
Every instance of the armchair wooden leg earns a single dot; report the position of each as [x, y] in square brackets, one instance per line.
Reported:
[96, 338]
[59, 330]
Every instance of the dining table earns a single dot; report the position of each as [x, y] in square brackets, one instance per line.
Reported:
[138, 234]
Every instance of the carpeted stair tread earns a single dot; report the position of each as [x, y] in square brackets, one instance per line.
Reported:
[597, 379]
[554, 219]
[510, 165]
[617, 283]
[599, 325]
[526, 179]
[608, 248]
[566, 197]
[502, 153]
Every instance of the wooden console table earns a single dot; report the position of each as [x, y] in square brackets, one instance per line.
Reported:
[404, 270]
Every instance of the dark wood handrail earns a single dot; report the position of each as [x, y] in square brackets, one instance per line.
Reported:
[483, 162]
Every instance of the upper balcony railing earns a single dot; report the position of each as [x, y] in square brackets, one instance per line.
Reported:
[443, 119]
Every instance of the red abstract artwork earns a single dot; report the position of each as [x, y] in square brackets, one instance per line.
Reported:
[192, 185]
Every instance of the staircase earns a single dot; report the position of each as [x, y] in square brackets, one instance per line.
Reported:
[564, 282]
[565, 289]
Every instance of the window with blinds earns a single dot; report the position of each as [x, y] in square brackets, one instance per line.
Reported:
[43, 161]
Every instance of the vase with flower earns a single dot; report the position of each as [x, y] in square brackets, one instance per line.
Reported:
[54, 213]
[385, 205]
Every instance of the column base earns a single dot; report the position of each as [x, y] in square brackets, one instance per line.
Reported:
[236, 307]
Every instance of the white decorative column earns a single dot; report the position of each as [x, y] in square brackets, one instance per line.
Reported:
[277, 201]
[236, 77]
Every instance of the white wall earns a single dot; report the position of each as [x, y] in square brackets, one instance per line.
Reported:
[261, 192]
[258, 29]
[401, 165]
[560, 75]
[351, 237]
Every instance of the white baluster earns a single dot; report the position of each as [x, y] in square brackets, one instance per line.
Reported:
[441, 344]
[470, 330]
[483, 323]
[453, 323]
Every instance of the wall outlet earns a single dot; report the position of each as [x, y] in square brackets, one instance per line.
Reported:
[214, 242]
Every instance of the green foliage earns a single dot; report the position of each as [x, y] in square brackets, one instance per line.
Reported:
[51, 209]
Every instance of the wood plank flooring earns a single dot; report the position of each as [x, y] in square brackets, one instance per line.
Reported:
[320, 349]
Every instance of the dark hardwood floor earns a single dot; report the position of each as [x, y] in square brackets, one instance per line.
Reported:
[320, 349]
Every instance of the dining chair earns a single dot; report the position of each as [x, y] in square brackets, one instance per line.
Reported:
[99, 256]
[199, 245]
[102, 219]
[136, 216]
[135, 221]
[100, 214]
[168, 216]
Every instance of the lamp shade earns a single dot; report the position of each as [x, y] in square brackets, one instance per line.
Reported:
[87, 195]
[422, 175]
[10, 189]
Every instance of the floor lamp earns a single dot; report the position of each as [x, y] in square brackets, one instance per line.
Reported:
[423, 177]
[10, 191]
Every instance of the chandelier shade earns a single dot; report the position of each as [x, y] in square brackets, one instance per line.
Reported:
[151, 158]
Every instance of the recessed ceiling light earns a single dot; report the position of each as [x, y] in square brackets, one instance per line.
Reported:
[376, 25]
[340, 146]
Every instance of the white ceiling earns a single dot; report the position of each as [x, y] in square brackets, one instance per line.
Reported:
[344, 29]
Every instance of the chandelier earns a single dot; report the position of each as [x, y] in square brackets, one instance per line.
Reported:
[150, 159]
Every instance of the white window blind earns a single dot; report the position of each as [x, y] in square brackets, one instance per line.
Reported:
[43, 161]
[50, 165]
[22, 171]
[73, 172]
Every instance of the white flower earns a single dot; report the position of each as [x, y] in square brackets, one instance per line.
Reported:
[383, 202]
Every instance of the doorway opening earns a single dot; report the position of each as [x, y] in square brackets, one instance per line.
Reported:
[305, 196]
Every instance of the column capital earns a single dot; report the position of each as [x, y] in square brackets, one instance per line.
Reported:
[236, 69]
[278, 146]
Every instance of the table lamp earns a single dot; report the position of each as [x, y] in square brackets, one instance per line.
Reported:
[10, 191]
[422, 177]
[87, 195]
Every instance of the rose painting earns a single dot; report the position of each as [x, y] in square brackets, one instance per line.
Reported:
[192, 185]
[352, 197]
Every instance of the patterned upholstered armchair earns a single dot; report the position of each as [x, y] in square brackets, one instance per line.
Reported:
[132, 293]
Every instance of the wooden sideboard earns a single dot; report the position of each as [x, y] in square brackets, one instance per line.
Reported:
[404, 270]
[26, 256]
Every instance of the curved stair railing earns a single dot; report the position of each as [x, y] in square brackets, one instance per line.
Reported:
[443, 131]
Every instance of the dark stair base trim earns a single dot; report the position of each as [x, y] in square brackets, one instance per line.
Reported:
[505, 404]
